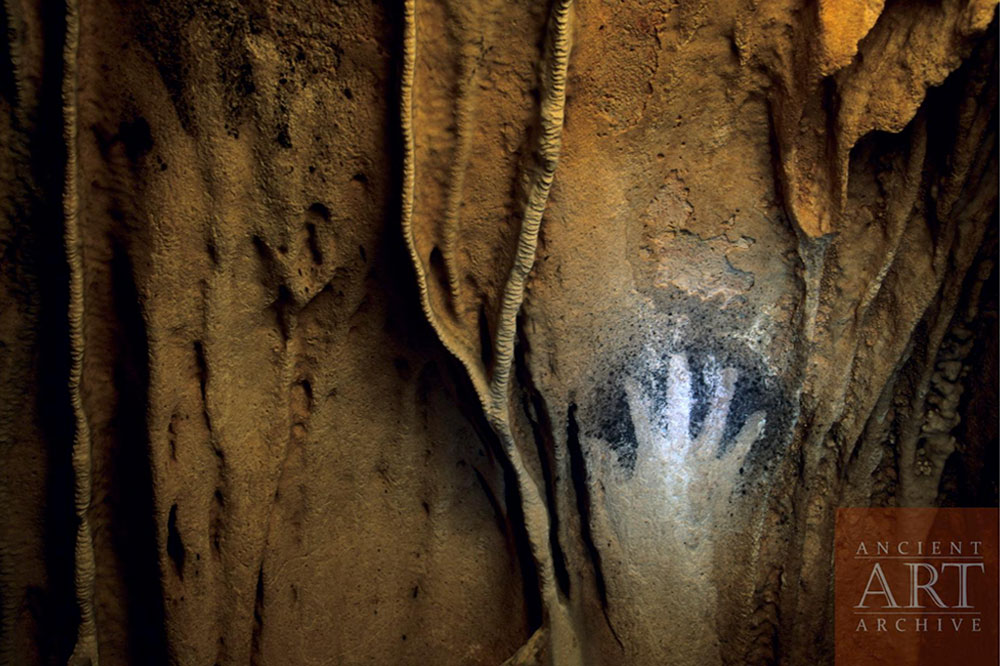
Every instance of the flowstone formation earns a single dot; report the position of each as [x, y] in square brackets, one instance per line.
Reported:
[444, 332]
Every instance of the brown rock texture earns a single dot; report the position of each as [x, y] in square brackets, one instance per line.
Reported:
[444, 332]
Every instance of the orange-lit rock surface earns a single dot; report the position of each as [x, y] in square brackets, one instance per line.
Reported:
[437, 332]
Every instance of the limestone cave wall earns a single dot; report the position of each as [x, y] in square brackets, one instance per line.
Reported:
[453, 332]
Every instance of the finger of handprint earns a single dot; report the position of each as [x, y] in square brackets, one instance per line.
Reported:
[721, 384]
[646, 432]
[745, 439]
[678, 407]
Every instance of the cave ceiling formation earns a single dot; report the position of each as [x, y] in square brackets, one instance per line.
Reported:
[449, 332]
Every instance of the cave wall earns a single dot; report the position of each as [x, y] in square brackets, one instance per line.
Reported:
[447, 332]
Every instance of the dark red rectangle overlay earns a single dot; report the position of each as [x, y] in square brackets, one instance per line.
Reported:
[916, 587]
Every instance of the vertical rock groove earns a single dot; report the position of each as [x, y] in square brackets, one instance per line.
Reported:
[541, 427]
[578, 471]
[85, 651]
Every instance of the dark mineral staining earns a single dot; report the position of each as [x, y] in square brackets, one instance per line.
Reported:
[320, 211]
[403, 368]
[315, 250]
[133, 136]
[485, 338]
[136, 137]
[283, 138]
[175, 547]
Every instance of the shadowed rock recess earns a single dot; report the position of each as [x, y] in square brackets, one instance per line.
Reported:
[494, 332]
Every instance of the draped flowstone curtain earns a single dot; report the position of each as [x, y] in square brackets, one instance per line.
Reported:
[445, 332]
